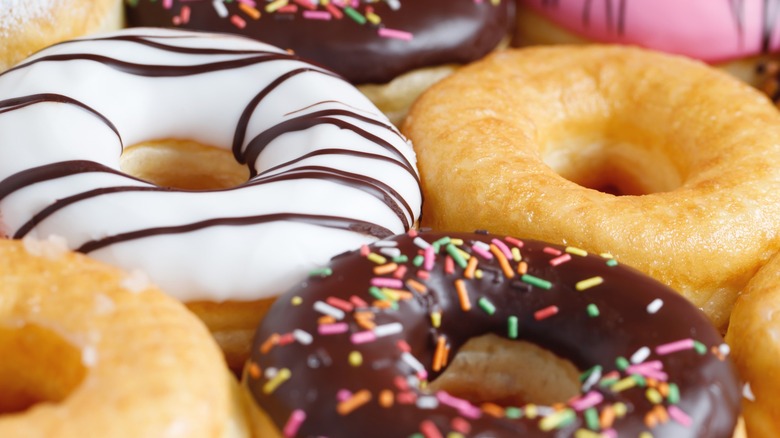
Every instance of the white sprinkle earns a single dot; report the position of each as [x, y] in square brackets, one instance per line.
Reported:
[421, 243]
[89, 356]
[270, 372]
[640, 355]
[136, 281]
[724, 349]
[545, 411]
[655, 306]
[220, 7]
[412, 362]
[388, 329]
[394, 4]
[386, 244]
[390, 252]
[327, 309]
[427, 402]
[302, 337]
[747, 392]
[594, 377]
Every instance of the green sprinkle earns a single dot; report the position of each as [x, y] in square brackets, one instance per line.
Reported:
[608, 381]
[321, 272]
[536, 281]
[639, 379]
[378, 294]
[674, 394]
[355, 15]
[486, 305]
[403, 258]
[592, 419]
[446, 240]
[593, 310]
[513, 412]
[453, 251]
[418, 260]
[699, 347]
[417, 435]
[512, 327]
[622, 363]
[612, 262]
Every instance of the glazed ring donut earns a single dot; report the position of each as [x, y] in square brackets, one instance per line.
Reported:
[753, 337]
[351, 349]
[89, 350]
[324, 171]
[611, 149]
[391, 49]
[30, 25]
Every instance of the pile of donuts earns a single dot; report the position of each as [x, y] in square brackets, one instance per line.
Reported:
[389, 218]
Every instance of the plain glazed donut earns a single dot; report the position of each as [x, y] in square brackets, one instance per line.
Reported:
[536, 142]
[350, 351]
[754, 336]
[88, 350]
[734, 35]
[304, 138]
[391, 49]
[30, 25]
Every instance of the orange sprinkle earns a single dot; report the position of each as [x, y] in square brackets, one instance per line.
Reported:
[438, 355]
[365, 323]
[651, 421]
[663, 388]
[416, 286]
[661, 414]
[463, 295]
[269, 343]
[446, 355]
[254, 370]
[607, 417]
[471, 267]
[249, 10]
[522, 268]
[386, 268]
[382, 304]
[326, 319]
[492, 409]
[502, 261]
[386, 398]
[357, 400]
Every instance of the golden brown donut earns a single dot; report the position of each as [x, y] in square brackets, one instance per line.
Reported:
[754, 336]
[27, 26]
[88, 350]
[536, 142]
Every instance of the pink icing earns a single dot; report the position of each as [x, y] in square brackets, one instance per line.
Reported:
[710, 30]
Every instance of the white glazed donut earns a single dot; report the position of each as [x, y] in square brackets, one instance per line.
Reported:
[328, 171]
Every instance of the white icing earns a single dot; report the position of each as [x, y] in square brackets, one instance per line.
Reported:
[214, 263]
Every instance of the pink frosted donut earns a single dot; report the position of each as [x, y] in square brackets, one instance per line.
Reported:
[714, 31]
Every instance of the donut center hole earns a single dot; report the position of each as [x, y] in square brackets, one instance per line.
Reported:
[631, 166]
[491, 369]
[37, 366]
[182, 164]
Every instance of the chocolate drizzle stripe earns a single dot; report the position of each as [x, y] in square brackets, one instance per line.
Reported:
[319, 220]
[332, 151]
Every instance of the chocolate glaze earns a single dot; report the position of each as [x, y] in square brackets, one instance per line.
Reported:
[708, 386]
[444, 31]
[245, 155]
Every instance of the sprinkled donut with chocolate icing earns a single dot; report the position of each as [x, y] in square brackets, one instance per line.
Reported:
[349, 352]
[327, 171]
[367, 42]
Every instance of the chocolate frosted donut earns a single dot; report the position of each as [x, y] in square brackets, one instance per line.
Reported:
[348, 352]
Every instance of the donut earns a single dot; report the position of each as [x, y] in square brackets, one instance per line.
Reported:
[734, 35]
[89, 350]
[359, 350]
[661, 161]
[323, 170]
[752, 334]
[30, 25]
[391, 49]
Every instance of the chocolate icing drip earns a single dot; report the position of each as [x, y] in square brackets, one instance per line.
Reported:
[454, 31]
[320, 372]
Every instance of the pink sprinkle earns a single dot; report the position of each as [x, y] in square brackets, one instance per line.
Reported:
[308, 5]
[504, 249]
[364, 250]
[449, 265]
[340, 304]
[294, 423]
[395, 34]
[429, 258]
[463, 406]
[429, 429]
[289, 9]
[545, 313]
[286, 338]
[423, 274]
[516, 242]
[185, 14]
[343, 394]
[167, 4]
[406, 398]
[587, 401]
[552, 251]
[363, 337]
[485, 254]
[357, 301]
[403, 346]
[672, 347]
[248, 2]
[387, 282]
[460, 425]
[238, 21]
[400, 272]
[560, 259]
[333, 329]
[651, 369]
[679, 416]
[401, 383]
[609, 433]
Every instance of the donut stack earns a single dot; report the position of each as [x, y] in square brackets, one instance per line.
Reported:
[377, 218]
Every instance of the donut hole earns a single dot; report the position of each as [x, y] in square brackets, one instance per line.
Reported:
[37, 366]
[618, 166]
[491, 369]
[183, 164]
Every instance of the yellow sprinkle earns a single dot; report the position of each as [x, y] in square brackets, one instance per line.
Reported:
[623, 384]
[357, 400]
[397, 294]
[620, 409]
[456, 241]
[274, 5]
[588, 283]
[463, 254]
[645, 434]
[654, 396]
[296, 301]
[478, 274]
[606, 255]
[516, 256]
[436, 319]
[355, 359]
[530, 411]
[373, 18]
[376, 258]
[281, 376]
[576, 251]
[584, 433]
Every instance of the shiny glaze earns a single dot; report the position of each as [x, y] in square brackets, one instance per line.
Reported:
[442, 32]
[307, 137]
[320, 372]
